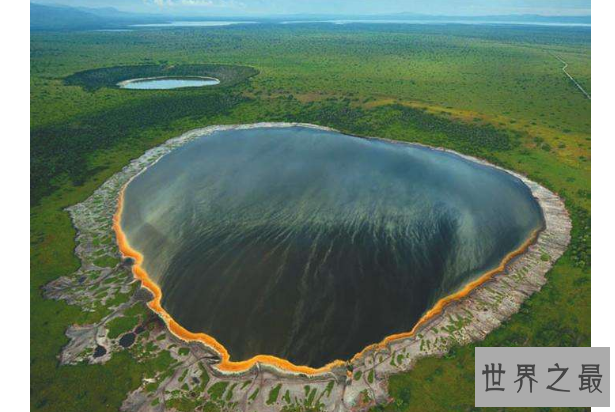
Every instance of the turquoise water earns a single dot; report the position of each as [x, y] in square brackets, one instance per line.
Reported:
[310, 244]
[168, 83]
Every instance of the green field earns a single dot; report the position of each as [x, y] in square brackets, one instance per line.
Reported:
[496, 92]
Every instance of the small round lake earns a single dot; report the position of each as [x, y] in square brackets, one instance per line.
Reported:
[309, 244]
[165, 83]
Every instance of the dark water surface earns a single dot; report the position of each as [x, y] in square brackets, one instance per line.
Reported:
[310, 245]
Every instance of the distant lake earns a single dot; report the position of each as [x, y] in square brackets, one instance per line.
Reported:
[164, 83]
[309, 244]
[211, 23]
[216, 23]
[436, 22]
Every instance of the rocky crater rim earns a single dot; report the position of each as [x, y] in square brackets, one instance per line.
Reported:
[112, 77]
[427, 321]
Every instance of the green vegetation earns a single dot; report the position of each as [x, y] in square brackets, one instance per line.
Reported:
[106, 261]
[254, 394]
[273, 394]
[494, 92]
[121, 325]
[217, 390]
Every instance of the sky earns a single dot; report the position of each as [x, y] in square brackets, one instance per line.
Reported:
[347, 7]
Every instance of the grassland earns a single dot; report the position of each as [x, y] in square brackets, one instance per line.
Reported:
[495, 92]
